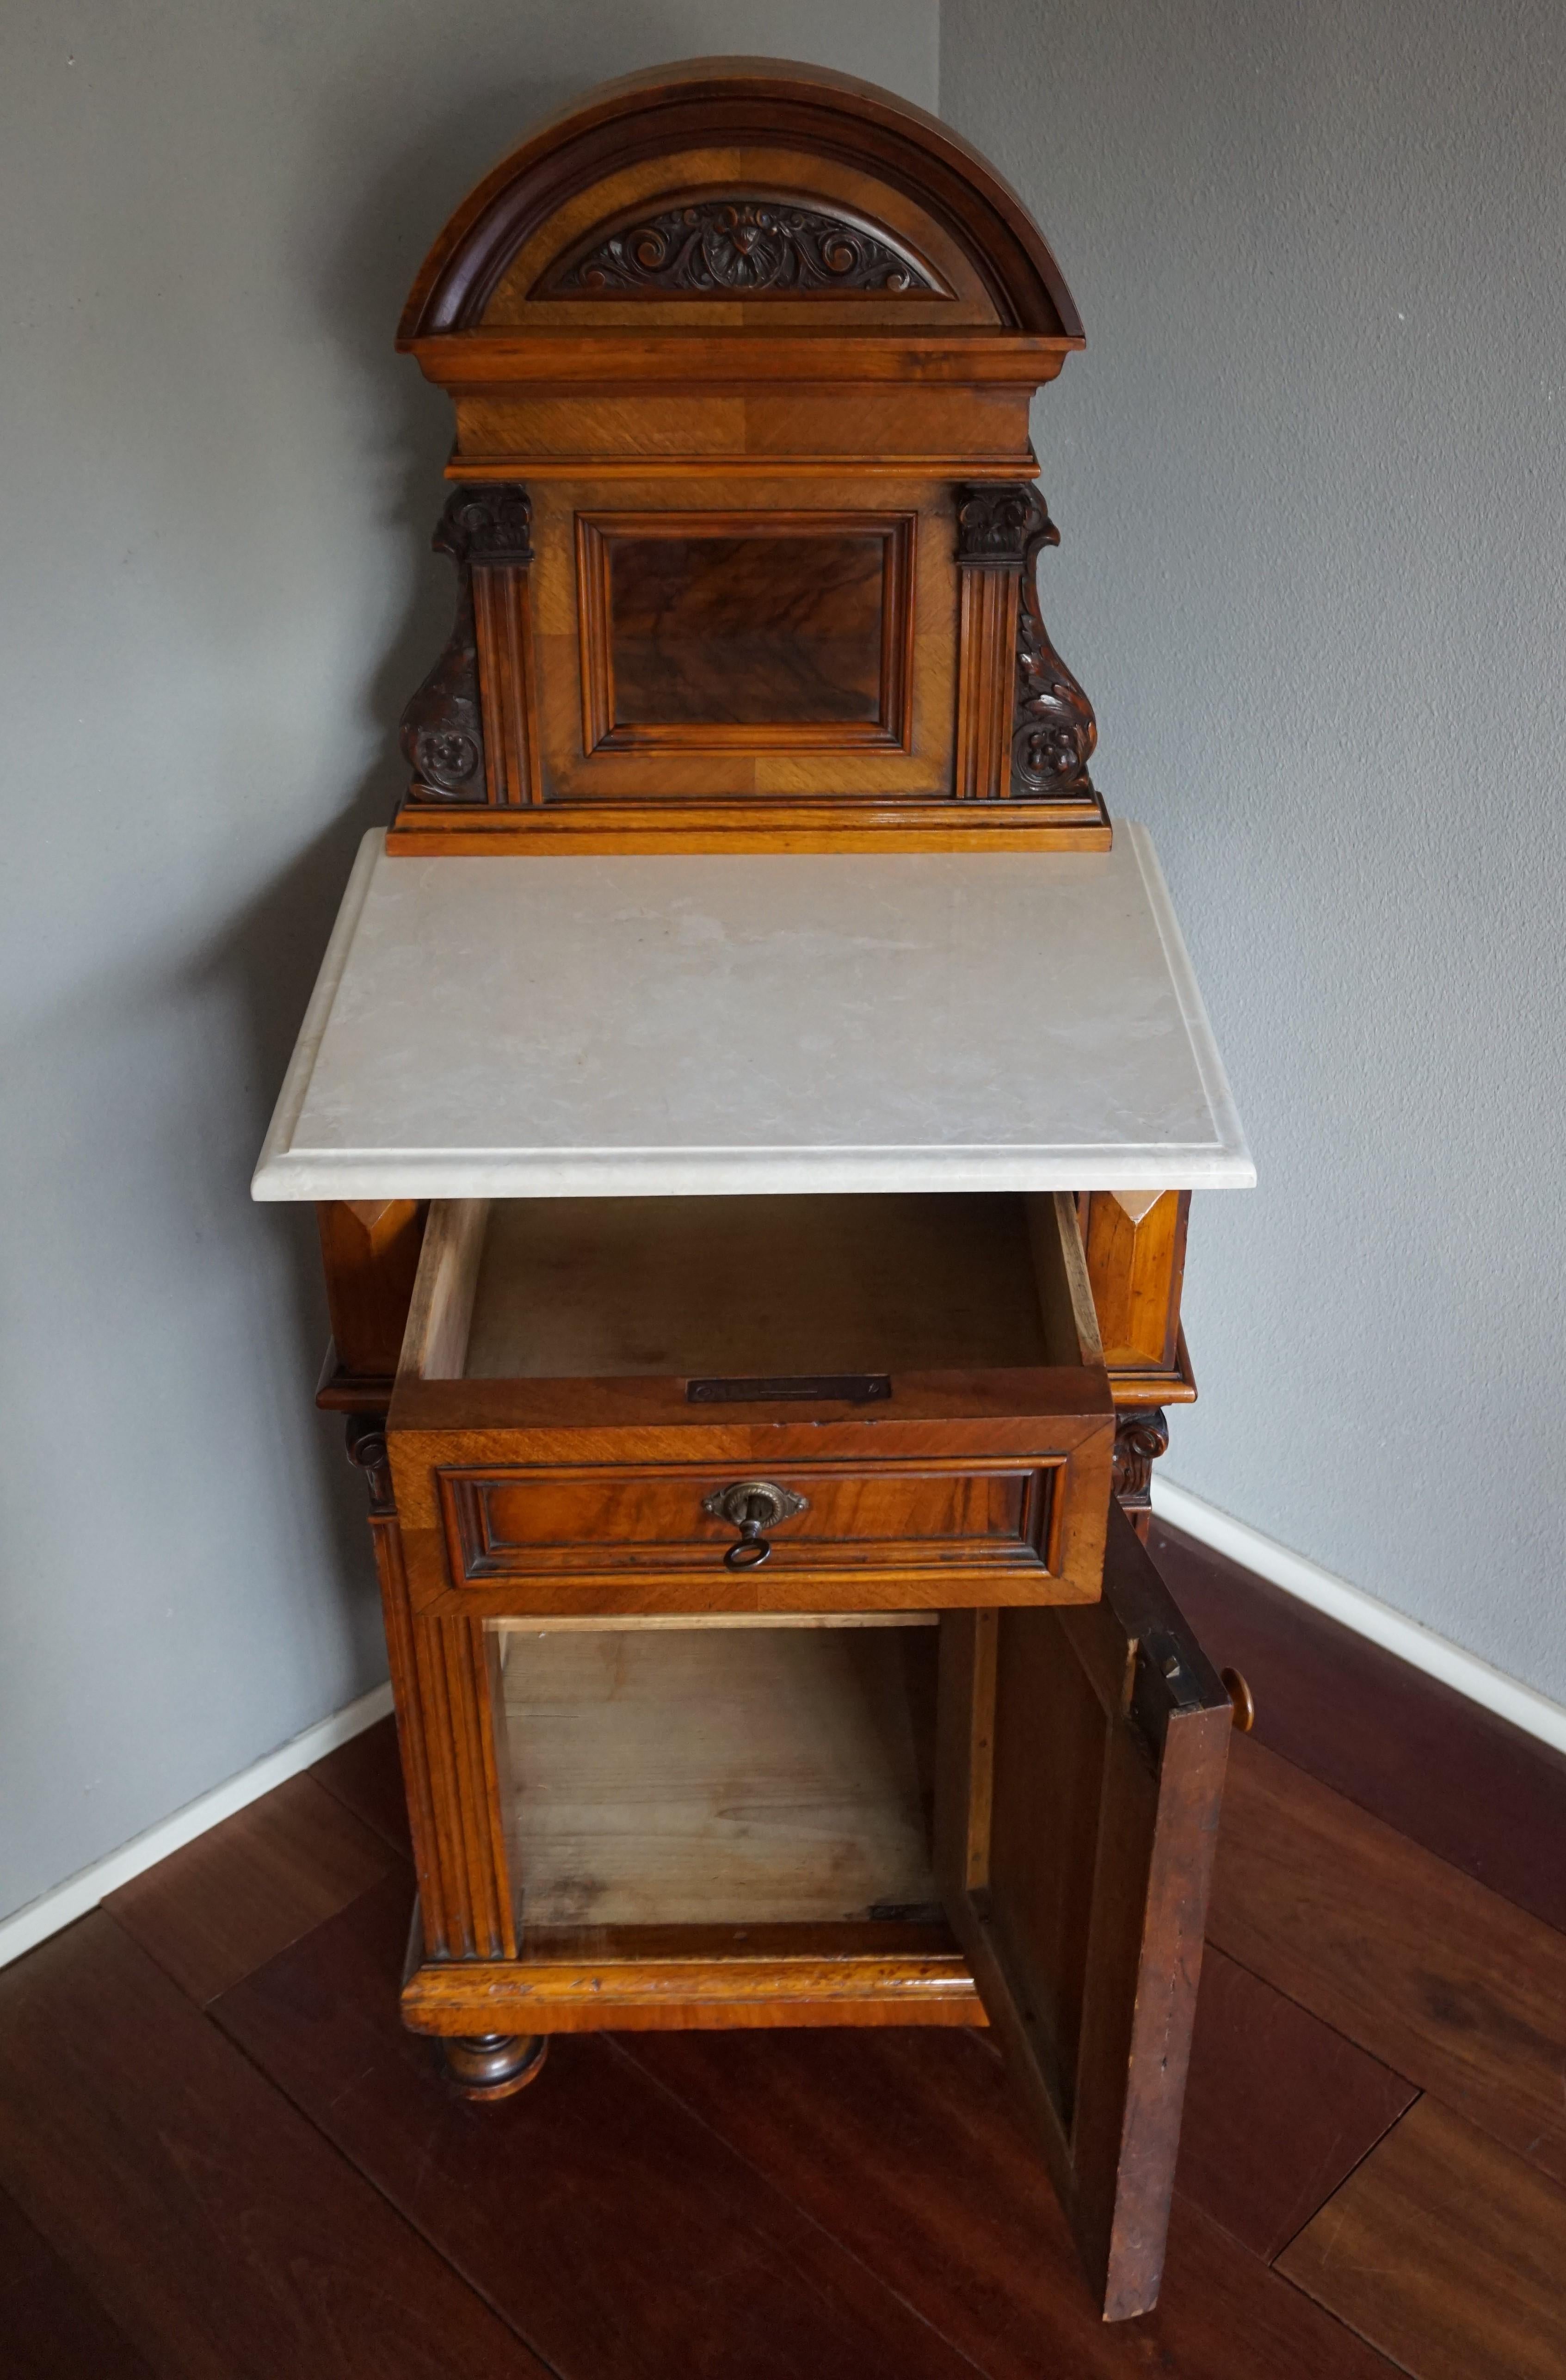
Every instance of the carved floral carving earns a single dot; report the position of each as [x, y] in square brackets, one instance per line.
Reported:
[442, 727]
[741, 247]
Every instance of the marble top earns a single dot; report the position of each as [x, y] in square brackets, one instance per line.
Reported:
[554, 1028]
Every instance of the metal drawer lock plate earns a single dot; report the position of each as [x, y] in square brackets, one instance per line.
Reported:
[752, 1506]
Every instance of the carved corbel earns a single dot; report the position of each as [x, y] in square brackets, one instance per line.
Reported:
[1055, 732]
[369, 1452]
[1141, 1436]
[1026, 728]
[485, 528]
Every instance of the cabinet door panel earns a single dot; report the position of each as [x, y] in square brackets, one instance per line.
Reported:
[1081, 1759]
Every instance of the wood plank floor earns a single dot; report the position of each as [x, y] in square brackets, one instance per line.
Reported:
[221, 2155]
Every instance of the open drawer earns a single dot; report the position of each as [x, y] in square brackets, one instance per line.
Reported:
[752, 1404]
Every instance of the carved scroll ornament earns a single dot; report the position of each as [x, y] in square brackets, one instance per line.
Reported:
[1140, 1438]
[1054, 731]
[443, 728]
[740, 248]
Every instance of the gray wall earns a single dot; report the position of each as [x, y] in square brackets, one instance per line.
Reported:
[216, 499]
[1311, 475]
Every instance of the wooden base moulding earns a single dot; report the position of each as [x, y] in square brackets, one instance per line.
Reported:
[586, 830]
[713, 1994]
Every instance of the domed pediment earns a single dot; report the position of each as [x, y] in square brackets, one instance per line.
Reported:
[741, 181]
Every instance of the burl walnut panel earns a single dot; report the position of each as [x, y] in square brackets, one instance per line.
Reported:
[745, 632]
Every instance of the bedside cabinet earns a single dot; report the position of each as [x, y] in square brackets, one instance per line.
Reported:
[752, 1100]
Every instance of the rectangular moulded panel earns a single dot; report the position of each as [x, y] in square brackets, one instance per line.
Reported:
[741, 641]
[745, 632]
[527, 1522]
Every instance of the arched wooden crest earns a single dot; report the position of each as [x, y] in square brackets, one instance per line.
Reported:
[747, 346]
[849, 131]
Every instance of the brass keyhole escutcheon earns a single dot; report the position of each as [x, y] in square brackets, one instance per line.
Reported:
[752, 1506]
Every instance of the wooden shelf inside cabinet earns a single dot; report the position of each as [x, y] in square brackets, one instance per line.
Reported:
[752, 1100]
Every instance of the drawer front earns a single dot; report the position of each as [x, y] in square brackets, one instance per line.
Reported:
[536, 1521]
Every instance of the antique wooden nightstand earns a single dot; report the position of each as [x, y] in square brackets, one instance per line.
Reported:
[752, 1100]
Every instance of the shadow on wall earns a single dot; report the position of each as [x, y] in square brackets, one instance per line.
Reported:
[268, 956]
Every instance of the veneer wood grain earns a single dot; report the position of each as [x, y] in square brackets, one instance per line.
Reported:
[617, 2233]
[216, 2228]
[960, 2220]
[1279, 2109]
[369, 1253]
[1446, 2252]
[755, 823]
[631, 1978]
[1099, 1759]
[1442, 1980]
[228, 1903]
[1135, 1243]
[713, 630]
[54, 2328]
[1476, 1791]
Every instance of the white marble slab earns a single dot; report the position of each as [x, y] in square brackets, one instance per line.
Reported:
[547, 1027]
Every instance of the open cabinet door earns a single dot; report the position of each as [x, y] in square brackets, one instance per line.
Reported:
[1080, 1775]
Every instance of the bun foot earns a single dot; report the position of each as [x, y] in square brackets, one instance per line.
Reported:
[493, 2065]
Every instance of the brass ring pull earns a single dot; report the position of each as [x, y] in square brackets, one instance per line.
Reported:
[752, 1506]
[1241, 1699]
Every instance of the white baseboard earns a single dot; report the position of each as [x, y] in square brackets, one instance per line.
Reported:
[1438, 1655]
[83, 1892]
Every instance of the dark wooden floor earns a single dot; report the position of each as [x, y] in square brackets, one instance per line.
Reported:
[220, 2154]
